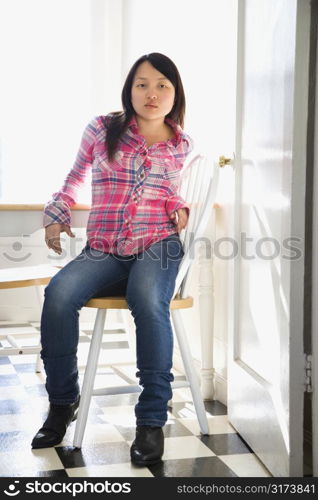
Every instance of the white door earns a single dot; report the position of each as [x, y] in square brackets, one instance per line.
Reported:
[266, 360]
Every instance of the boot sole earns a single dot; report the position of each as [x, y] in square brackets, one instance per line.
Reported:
[145, 463]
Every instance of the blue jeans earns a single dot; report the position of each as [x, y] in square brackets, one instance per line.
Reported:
[147, 281]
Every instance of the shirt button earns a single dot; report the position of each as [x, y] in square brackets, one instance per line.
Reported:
[141, 176]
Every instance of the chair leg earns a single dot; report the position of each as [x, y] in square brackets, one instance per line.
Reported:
[190, 370]
[129, 326]
[89, 377]
[38, 363]
[39, 290]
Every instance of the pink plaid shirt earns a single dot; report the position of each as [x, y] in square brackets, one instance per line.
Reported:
[132, 196]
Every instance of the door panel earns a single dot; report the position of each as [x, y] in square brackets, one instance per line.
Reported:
[266, 361]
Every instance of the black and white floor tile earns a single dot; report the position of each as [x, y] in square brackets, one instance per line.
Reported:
[111, 425]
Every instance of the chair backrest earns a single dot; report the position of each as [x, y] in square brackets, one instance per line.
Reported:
[199, 182]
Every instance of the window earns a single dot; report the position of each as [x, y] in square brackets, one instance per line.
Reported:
[45, 96]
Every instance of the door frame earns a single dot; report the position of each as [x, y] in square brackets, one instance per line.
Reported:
[298, 227]
[313, 102]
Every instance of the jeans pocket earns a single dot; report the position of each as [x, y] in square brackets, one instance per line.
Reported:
[174, 236]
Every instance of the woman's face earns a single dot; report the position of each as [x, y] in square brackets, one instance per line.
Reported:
[152, 94]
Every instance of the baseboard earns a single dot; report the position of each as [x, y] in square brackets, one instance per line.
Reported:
[220, 388]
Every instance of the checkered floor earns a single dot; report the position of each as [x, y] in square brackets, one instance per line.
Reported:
[111, 425]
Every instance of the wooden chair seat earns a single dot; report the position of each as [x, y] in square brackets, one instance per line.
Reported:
[121, 303]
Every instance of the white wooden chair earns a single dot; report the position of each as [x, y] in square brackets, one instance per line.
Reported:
[17, 277]
[198, 188]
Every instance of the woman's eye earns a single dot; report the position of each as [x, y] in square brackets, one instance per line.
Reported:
[143, 85]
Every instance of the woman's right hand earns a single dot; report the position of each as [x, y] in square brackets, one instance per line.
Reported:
[52, 236]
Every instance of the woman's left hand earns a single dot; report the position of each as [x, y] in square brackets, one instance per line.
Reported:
[180, 218]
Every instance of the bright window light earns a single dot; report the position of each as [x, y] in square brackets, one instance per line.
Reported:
[45, 95]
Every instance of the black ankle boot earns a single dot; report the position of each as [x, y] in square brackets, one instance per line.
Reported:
[147, 449]
[54, 427]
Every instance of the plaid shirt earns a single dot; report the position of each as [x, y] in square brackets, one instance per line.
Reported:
[132, 196]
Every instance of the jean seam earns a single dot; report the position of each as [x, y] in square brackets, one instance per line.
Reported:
[115, 282]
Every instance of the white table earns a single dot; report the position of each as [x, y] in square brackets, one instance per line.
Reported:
[24, 219]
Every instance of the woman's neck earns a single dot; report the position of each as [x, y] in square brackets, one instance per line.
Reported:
[151, 127]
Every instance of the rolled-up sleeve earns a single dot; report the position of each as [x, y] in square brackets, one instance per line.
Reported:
[174, 203]
[57, 210]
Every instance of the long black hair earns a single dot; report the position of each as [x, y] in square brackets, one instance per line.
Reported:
[120, 119]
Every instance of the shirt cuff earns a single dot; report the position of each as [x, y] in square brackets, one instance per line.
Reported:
[57, 212]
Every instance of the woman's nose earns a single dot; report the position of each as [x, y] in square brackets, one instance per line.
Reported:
[151, 94]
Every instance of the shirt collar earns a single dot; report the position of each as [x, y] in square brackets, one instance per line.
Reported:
[174, 141]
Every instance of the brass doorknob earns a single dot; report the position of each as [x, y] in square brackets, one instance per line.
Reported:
[224, 161]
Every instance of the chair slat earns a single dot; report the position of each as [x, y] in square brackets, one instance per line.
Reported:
[200, 195]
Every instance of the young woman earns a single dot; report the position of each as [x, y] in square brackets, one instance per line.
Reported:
[133, 247]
